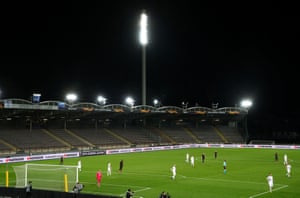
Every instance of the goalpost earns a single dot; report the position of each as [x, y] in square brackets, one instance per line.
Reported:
[46, 176]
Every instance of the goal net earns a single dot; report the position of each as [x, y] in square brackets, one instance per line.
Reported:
[46, 176]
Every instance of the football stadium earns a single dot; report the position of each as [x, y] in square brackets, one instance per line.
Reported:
[166, 151]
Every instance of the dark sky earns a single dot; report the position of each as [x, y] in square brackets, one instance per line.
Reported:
[197, 53]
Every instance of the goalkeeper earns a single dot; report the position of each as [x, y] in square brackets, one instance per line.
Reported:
[28, 189]
[77, 188]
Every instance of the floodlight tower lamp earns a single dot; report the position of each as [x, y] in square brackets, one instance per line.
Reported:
[155, 102]
[101, 100]
[246, 103]
[71, 97]
[143, 29]
[130, 101]
[144, 42]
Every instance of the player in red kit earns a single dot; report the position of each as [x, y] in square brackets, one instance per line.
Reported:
[99, 177]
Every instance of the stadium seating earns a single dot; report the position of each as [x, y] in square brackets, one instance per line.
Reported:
[25, 140]
[207, 134]
[40, 140]
[231, 134]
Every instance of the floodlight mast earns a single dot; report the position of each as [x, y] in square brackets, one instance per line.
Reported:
[246, 104]
[143, 42]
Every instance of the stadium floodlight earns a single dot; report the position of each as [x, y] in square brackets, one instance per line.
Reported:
[143, 42]
[156, 103]
[101, 100]
[246, 103]
[71, 97]
[130, 101]
[143, 29]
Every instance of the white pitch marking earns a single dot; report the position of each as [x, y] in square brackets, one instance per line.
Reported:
[257, 195]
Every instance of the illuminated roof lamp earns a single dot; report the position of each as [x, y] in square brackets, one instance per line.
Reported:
[71, 97]
[246, 103]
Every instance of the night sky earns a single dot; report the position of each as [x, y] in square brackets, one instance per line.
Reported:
[197, 53]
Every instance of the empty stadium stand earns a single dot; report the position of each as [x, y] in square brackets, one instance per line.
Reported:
[45, 127]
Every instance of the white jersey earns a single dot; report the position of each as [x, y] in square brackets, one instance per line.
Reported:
[173, 170]
[285, 159]
[109, 168]
[192, 160]
[270, 180]
[187, 157]
[288, 168]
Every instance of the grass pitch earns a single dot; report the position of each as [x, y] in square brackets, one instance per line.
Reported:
[148, 173]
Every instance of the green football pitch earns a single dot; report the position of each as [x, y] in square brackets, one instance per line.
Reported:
[148, 173]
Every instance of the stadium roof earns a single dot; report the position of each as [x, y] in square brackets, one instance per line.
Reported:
[19, 108]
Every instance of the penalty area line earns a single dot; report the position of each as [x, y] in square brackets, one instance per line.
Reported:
[275, 189]
[140, 190]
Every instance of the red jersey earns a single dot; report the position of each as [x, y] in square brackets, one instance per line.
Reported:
[99, 175]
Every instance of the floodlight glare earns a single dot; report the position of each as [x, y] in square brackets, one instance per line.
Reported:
[71, 97]
[143, 29]
[101, 100]
[129, 101]
[246, 103]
